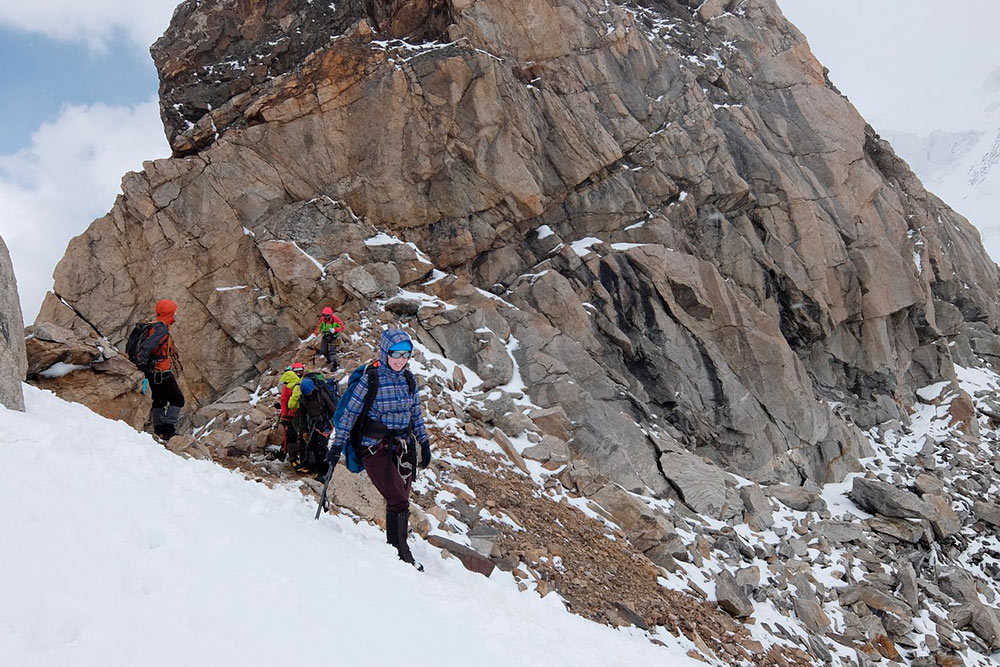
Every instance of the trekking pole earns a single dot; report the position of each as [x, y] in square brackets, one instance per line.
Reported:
[326, 484]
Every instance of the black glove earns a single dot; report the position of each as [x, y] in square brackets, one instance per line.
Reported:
[425, 453]
[277, 405]
[333, 456]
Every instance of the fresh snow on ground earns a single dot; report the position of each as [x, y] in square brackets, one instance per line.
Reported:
[117, 552]
[59, 369]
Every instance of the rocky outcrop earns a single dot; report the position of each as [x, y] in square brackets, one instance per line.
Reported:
[662, 215]
[86, 370]
[13, 364]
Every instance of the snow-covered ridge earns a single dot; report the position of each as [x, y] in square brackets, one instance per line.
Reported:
[119, 552]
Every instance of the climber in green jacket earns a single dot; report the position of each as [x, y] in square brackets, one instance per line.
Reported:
[328, 329]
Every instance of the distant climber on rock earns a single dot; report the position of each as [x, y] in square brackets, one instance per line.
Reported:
[154, 354]
[327, 330]
[381, 421]
[289, 381]
[314, 401]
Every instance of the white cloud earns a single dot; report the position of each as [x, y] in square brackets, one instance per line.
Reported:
[70, 174]
[92, 22]
[905, 64]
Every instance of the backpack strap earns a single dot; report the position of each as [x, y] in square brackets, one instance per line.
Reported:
[371, 371]
[411, 381]
[157, 333]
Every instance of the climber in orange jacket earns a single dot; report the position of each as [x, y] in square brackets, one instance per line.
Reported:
[167, 397]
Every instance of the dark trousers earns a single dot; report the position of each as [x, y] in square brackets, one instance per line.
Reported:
[315, 450]
[328, 348]
[167, 402]
[310, 446]
[291, 441]
[382, 471]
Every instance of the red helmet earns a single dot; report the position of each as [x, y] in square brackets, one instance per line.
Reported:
[298, 366]
[328, 312]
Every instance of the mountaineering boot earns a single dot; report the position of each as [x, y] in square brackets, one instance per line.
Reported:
[161, 428]
[391, 531]
[401, 523]
[171, 415]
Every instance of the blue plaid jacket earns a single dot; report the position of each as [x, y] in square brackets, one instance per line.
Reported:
[394, 405]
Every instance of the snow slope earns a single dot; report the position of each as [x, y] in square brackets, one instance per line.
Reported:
[963, 168]
[117, 552]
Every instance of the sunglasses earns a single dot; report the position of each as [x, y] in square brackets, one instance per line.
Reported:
[400, 354]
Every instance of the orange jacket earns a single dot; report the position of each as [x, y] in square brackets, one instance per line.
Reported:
[165, 309]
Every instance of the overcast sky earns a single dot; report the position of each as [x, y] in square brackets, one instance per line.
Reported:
[907, 65]
[78, 104]
[78, 97]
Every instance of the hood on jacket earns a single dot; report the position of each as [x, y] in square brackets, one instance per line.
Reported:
[328, 311]
[290, 378]
[389, 338]
[165, 310]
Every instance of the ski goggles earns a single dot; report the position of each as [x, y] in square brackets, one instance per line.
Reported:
[400, 354]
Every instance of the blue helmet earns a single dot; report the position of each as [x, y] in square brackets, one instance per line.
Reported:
[403, 345]
[307, 386]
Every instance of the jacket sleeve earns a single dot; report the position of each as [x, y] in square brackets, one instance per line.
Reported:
[293, 400]
[157, 335]
[338, 324]
[355, 404]
[417, 419]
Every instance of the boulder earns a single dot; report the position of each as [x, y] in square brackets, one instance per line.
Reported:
[987, 511]
[811, 613]
[289, 263]
[882, 498]
[880, 601]
[942, 517]
[731, 597]
[796, 497]
[985, 623]
[13, 362]
[471, 559]
[645, 528]
[552, 421]
[928, 484]
[550, 448]
[757, 509]
[840, 531]
[356, 493]
[703, 487]
[483, 536]
[112, 388]
[508, 448]
[901, 529]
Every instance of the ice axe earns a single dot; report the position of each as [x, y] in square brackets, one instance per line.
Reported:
[322, 496]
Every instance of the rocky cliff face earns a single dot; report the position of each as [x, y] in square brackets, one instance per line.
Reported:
[13, 362]
[663, 212]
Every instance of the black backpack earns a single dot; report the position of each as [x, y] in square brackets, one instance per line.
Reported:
[316, 413]
[145, 337]
[320, 405]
